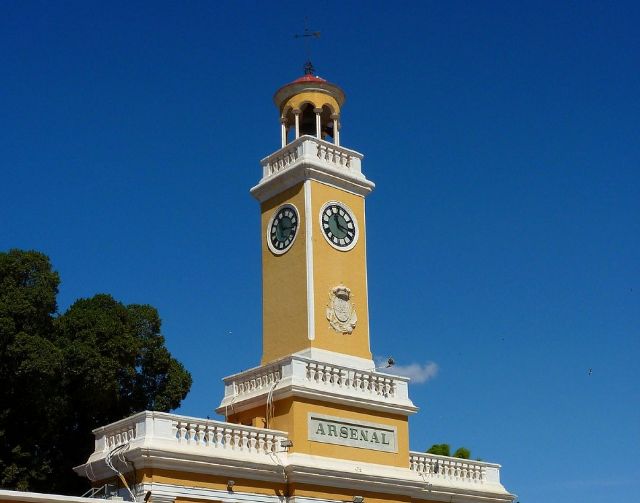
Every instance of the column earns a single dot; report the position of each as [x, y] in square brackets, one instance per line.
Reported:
[318, 111]
[336, 129]
[296, 114]
[283, 131]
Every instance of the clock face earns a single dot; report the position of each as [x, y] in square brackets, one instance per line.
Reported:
[283, 228]
[339, 226]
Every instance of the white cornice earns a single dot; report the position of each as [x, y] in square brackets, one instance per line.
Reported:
[303, 377]
[190, 446]
[309, 158]
[41, 497]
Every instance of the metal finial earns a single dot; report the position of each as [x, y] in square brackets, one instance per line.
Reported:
[308, 68]
[307, 36]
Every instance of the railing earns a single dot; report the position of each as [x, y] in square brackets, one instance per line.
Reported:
[312, 149]
[176, 432]
[282, 160]
[121, 434]
[217, 435]
[335, 381]
[263, 378]
[432, 466]
[334, 155]
[358, 380]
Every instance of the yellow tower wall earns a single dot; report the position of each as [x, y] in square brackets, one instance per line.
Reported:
[333, 267]
[284, 284]
[291, 415]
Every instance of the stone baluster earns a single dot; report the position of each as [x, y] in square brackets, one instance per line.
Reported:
[254, 442]
[219, 436]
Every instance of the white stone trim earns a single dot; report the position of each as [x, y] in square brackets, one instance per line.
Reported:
[275, 251]
[295, 375]
[309, 158]
[172, 439]
[308, 220]
[345, 207]
[157, 446]
[324, 355]
[357, 477]
[32, 497]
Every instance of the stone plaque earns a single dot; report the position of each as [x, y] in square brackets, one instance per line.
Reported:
[352, 433]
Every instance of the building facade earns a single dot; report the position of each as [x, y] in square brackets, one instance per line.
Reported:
[315, 421]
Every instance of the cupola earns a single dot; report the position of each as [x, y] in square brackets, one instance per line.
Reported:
[310, 106]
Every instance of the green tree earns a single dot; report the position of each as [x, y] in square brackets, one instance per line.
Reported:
[98, 362]
[440, 449]
[462, 453]
[444, 450]
[30, 367]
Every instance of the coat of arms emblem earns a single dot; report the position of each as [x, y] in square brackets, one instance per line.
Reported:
[341, 312]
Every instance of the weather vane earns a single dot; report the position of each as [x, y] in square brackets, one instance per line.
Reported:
[307, 35]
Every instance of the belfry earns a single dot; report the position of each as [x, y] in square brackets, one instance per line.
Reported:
[315, 421]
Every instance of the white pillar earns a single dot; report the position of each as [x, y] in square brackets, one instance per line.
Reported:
[318, 111]
[296, 114]
[336, 129]
[283, 131]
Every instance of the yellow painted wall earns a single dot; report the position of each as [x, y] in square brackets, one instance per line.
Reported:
[317, 98]
[343, 495]
[333, 267]
[284, 285]
[291, 415]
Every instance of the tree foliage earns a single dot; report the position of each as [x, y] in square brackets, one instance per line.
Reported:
[462, 453]
[440, 449]
[63, 375]
[445, 450]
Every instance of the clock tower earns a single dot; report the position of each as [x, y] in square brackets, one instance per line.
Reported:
[312, 200]
[317, 378]
[315, 422]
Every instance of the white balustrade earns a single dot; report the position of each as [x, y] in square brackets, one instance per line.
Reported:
[432, 466]
[174, 432]
[313, 150]
[123, 434]
[227, 436]
[337, 380]
[262, 378]
[334, 155]
[359, 380]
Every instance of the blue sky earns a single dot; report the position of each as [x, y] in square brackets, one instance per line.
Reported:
[503, 235]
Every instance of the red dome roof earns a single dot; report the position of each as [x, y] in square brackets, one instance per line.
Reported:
[308, 78]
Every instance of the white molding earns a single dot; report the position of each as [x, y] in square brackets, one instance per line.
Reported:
[326, 356]
[275, 251]
[352, 215]
[303, 159]
[308, 220]
[299, 376]
[159, 443]
[6, 495]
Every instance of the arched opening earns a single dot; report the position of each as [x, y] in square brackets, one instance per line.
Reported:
[307, 120]
[317, 122]
[327, 123]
